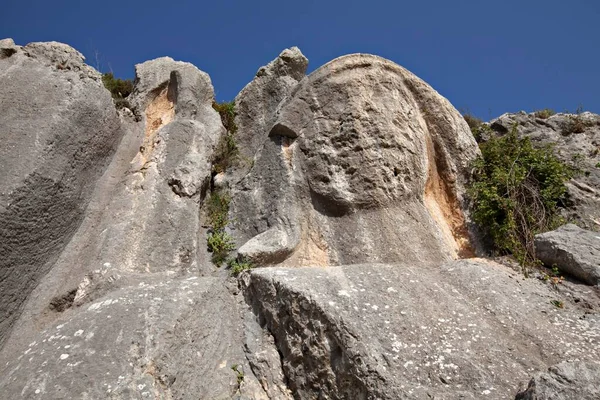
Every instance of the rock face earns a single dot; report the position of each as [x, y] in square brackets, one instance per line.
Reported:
[576, 139]
[467, 329]
[576, 381]
[160, 338]
[256, 105]
[361, 157]
[102, 225]
[58, 129]
[573, 250]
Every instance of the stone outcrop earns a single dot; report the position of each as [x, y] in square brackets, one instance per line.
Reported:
[256, 105]
[573, 250]
[359, 164]
[576, 141]
[567, 381]
[58, 131]
[159, 338]
[364, 163]
[467, 329]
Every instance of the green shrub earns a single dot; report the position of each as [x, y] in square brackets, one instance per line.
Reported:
[545, 113]
[227, 112]
[472, 121]
[575, 124]
[217, 210]
[226, 152]
[238, 266]
[478, 127]
[516, 191]
[220, 244]
[118, 88]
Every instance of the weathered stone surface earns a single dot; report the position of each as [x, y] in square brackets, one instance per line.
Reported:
[7, 48]
[257, 103]
[361, 161]
[362, 157]
[469, 329]
[580, 147]
[145, 216]
[131, 277]
[565, 381]
[573, 250]
[164, 338]
[58, 131]
[189, 89]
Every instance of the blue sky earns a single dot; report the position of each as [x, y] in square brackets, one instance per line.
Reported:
[487, 57]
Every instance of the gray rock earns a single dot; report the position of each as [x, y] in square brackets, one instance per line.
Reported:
[145, 213]
[565, 381]
[59, 130]
[189, 89]
[164, 338]
[467, 329]
[365, 163]
[573, 250]
[257, 103]
[7, 48]
[581, 149]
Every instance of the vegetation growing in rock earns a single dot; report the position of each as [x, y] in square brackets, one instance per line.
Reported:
[517, 190]
[219, 242]
[575, 123]
[478, 127]
[226, 152]
[238, 266]
[118, 88]
[545, 113]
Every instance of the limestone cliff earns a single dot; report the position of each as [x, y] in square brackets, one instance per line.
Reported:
[348, 194]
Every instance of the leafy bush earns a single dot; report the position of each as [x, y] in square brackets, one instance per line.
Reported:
[545, 113]
[119, 88]
[478, 127]
[226, 152]
[227, 112]
[219, 244]
[238, 266]
[472, 121]
[575, 124]
[218, 208]
[516, 190]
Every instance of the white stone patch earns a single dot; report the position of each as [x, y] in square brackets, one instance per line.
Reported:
[64, 356]
[78, 333]
[343, 293]
[391, 290]
[100, 304]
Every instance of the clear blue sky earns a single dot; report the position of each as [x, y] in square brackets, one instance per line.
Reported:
[488, 57]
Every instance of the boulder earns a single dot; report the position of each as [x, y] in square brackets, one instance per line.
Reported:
[575, 251]
[58, 130]
[565, 381]
[364, 162]
[467, 329]
[576, 141]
